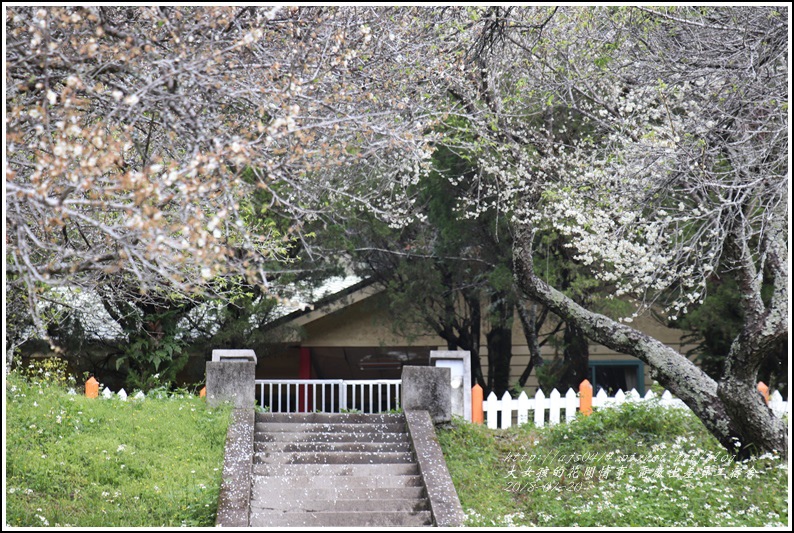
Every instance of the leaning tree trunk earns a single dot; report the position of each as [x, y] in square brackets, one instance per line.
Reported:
[735, 414]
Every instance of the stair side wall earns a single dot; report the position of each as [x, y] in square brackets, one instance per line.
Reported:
[235, 493]
[444, 502]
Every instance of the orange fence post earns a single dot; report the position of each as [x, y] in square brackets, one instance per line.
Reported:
[92, 388]
[764, 390]
[203, 392]
[477, 416]
[586, 397]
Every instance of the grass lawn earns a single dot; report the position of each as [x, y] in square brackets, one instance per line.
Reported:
[628, 466]
[76, 461]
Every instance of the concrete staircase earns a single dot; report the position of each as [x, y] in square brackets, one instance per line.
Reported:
[335, 470]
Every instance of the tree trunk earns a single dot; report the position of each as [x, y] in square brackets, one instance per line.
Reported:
[735, 414]
[576, 355]
[467, 336]
[766, 325]
[473, 345]
[500, 344]
[529, 324]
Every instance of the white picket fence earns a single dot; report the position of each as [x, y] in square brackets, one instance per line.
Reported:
[499, 413]
[122, 395]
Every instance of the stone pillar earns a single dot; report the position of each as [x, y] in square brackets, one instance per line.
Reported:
[230, 378]
[459, 364]
[427, 388]
[234, 355]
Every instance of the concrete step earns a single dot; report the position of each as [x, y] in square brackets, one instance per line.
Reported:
[393, 505]
[329, 470]
[332, 492]
[372, 447]
[274, 427]
[287, 436]
[387, 469]
[263, 484]
[341, 519]
[330, 418]
[331, 458]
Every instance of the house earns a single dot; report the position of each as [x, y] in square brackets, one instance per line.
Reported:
[349, 335]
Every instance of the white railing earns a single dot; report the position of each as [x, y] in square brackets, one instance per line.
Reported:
[328, 395]
[499, 413]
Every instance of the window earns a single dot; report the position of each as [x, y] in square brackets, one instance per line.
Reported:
[617, 375]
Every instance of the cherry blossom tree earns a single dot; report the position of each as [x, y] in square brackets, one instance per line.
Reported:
[137, 136]
[656, 141]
